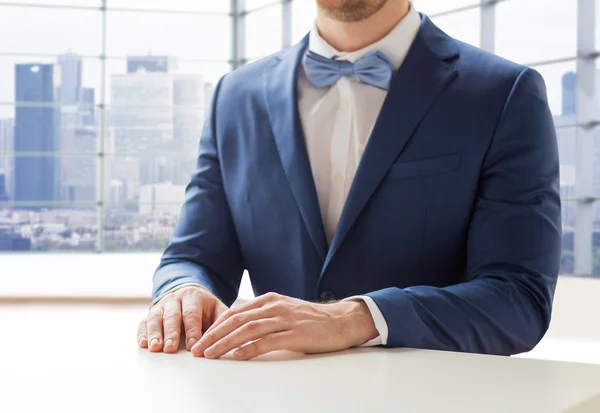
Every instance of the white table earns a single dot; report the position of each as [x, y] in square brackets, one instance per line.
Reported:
[84, 359]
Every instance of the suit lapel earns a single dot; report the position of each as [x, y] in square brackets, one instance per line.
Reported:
[280, 84]
[424, 74]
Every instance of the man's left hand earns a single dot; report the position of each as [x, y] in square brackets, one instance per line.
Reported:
[275, 322]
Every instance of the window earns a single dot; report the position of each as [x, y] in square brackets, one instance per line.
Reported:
[526, 35]
[102, 102]
[101, 107]
[263, 30]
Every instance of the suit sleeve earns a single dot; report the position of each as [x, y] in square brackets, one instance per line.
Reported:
[204, 248]
[513, 251]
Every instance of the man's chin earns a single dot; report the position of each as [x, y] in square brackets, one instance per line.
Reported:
[350, 10]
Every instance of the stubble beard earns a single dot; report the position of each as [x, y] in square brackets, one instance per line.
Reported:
[350, 10]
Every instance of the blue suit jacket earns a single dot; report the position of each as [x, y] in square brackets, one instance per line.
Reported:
[452, 224]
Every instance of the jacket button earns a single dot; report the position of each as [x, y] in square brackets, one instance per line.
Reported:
[327, 296]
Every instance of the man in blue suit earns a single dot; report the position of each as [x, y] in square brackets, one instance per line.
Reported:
[382, 183]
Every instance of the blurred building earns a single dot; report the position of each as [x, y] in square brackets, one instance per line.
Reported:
[78, 173]
[149, 63]
[78, 132]
[141, 116]
[123, 178]
[7, 163]
[3, 193]
[158, 113]
[37, 178]
[87, 100]
[189, 100]
[71, 75]
[10, 241]
[164, 198]
[569, 93]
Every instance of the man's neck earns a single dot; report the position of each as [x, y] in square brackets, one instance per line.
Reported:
[352, 36]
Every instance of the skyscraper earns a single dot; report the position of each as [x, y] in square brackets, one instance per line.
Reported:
[569, 94]
[7, 162]
[141, 118]
[71, 74]
[77, 132]
[37, 178]
[87, 99]
[3, 194]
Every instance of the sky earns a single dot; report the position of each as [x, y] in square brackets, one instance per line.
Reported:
[527, 31]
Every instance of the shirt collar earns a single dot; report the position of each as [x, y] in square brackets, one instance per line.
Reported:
[395, 45]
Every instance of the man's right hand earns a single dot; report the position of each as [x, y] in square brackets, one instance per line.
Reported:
[188, 311]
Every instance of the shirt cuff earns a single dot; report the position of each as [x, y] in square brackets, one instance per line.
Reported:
[172, 290]
[378, 319]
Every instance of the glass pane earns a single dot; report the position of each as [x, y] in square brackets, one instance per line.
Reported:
[123, 87]
[50, 30]
[125, 175]
[48, 3]
[63, 117]
[129, 81]
[303, 17]
[44, 180]
[462, 25]
[254, 4]
[431, 7]
[145, 227]
[263, 32]
[163, 34]
[219, 6]
[560, 87]
[144, 195]
[566, 151]
[67, 80]
[159, 112]
[597, 40]
[47, 228]
[529, 31]
[567, 264]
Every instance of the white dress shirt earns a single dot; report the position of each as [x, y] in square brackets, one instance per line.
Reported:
[337, 123]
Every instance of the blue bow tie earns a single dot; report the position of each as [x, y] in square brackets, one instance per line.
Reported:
[374, 69]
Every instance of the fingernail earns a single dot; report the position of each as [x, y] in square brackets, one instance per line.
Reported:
[209, 352]
[153, 342]
[191, 343]
[238, 354]
[141, 340]
[169, 343]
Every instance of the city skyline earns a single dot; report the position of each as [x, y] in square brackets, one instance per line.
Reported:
[172, 61]
[60, 191]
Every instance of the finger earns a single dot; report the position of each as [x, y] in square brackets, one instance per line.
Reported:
[258, 302]
[278, 341]
[191, 310]
[142, 335]
[251, 331]
[232, 323]
[155, 326]
[172, 325]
